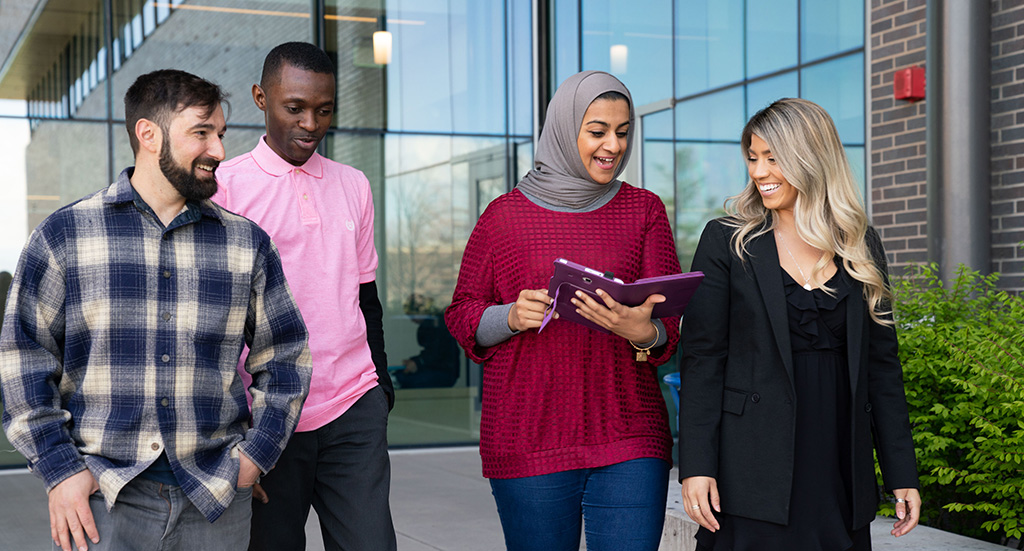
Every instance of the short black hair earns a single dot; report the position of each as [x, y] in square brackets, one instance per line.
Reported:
[157, 95]
[301, 55]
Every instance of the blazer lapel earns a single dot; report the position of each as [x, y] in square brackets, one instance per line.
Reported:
[764, 257]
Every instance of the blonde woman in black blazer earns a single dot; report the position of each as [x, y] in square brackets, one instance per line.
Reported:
[789, 356]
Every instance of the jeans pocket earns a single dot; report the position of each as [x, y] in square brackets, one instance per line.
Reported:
[243, 494]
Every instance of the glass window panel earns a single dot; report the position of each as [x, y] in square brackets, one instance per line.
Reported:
[762, 93]
[524, 160]
[709, 44]
[195, 40]
[838, 86]
[101, 60]
[856, 156]
[447, 73]
[659, 157]
[478, 66]
[137, 31]
[521, 67]
[360, 99]
[633, 41]
[717, 116]
[830, 26]
[434, 187]
[566, 41]
[163, 9]
[771, 36]
[419, 76]
[126, 33]
[706, 174]
[148, 18]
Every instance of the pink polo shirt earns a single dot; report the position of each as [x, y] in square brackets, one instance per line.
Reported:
[320, 216]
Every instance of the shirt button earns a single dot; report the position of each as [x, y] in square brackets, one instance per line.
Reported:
[164, 402]
[155, 446]
[166, 358]
[166, 316]
[167, 274]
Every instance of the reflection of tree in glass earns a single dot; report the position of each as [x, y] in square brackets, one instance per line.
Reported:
[488, 189]
[695, 202]
[419, 239]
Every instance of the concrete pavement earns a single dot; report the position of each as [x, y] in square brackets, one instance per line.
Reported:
[439, 502]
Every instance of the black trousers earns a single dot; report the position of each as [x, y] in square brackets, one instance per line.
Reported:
[342, 469]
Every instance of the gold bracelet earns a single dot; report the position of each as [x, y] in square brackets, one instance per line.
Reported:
[641, 353]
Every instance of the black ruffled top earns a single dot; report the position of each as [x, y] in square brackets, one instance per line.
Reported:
[817, 319]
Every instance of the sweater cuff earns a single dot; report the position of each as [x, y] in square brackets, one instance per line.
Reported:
[493, 328]
[660, 340]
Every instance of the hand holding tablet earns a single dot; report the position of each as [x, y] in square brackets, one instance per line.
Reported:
[570, 277]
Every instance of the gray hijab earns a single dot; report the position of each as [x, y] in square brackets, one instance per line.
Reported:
[559, 176]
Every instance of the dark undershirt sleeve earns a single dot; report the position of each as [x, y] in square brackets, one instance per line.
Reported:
[373, 313]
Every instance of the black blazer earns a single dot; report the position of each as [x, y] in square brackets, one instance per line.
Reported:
[737, 399]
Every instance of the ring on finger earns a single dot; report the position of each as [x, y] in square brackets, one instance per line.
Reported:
[695, 507]
[900, 500]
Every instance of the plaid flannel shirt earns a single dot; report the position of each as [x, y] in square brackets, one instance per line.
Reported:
[121, 341]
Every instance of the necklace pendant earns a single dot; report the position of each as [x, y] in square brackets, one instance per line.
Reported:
[807, 286]
[641, 356]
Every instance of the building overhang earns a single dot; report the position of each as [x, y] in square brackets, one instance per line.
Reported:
[44, 38]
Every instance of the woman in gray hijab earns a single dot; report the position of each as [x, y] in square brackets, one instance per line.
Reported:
[574, 425]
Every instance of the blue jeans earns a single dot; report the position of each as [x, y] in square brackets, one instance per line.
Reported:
[622, 507]
[153, 516]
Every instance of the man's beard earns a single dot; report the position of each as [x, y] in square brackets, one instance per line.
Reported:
[185, 181]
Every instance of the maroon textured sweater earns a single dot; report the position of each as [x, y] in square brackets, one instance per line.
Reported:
[569, 397]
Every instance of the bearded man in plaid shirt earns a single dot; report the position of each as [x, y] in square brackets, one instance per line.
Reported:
[127, 315]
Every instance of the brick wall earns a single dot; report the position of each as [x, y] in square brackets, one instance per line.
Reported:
[897, 187]
[897, 132]
[1008, 142]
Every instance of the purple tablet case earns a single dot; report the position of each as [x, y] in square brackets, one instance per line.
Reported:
[570, 277]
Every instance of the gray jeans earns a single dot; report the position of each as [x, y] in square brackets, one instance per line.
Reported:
[152, 516]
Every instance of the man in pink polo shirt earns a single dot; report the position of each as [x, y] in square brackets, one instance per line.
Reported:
[320, 215]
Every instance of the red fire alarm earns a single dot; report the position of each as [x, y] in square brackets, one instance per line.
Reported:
[908, 83]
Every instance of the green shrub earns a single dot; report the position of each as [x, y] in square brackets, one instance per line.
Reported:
[962, 350]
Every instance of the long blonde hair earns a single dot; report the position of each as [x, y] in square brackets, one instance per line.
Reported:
[829, 214]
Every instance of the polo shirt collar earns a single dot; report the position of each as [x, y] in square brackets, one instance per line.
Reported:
[272, 163]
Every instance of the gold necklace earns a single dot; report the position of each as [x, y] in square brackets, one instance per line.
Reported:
[807, 282]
